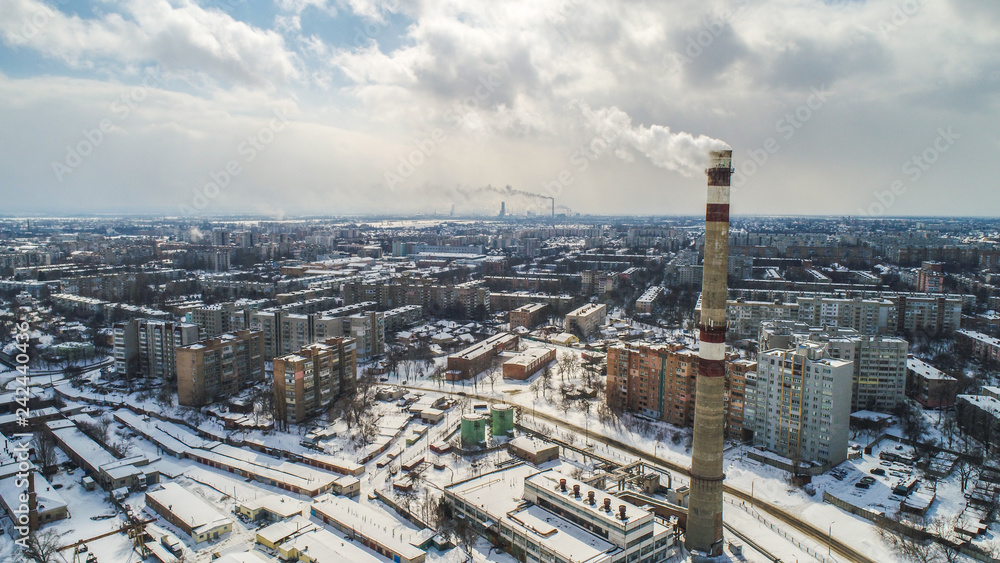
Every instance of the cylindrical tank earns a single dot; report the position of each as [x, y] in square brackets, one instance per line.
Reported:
[473, 430]
[502, 418]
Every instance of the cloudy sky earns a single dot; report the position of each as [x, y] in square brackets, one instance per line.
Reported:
[358, 106]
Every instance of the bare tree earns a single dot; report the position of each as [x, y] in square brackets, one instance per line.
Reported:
[45, 450]
[42, 547]
[965, 470]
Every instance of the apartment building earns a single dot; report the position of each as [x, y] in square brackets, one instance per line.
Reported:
[286, 332]
[219, 368]
[587, 319]
[798, 404]
[930, 277]
[658, 381]
[867, 316]
[146, 347]
[869, 313]
[308, 381]
[529, 316]
[644, 304]
[982, 346]
[879, 362]
[929, 386]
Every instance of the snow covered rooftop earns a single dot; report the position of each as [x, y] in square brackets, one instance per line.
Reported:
[926, 370]
[369, 522]
[188, 507]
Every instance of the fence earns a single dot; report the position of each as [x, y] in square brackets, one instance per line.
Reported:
[811, 550]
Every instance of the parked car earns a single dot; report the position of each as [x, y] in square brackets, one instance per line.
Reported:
[877, 471]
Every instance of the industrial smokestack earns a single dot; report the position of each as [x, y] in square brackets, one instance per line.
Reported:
[704, 526]
[553, 207]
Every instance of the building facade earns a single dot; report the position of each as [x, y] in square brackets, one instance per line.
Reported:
[218, 368]
[586, 320]
[798, 404]
[308, 381]
[147, 347]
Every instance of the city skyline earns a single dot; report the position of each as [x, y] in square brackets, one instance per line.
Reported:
[296, 108]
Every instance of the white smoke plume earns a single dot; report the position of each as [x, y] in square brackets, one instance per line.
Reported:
[679, 151]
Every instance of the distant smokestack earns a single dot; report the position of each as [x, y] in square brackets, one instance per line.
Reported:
[503, 208]
[704, 526]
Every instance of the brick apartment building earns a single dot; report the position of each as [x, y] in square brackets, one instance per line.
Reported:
[218, 368]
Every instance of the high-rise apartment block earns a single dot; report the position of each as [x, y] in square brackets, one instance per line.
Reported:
[658, 381]
[307, 382]
[218, 368]
[930, 278]
[146, 347]
[879, 362]
[798, 404]
[873, 313]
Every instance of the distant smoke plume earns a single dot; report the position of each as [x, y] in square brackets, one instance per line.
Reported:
[678, 151]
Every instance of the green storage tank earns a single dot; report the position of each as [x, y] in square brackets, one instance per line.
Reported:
[473, 430]
[502, 416]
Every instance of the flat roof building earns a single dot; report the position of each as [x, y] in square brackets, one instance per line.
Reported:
[219, 368]
[586, 320]
[189, 512]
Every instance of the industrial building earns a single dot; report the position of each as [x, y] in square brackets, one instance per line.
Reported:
[527, 363]
[547, 516]
[307, 382]
[586, 320]
[111, 473]
[188, 512]
[219, 368]
[476, 358]
[372, 528]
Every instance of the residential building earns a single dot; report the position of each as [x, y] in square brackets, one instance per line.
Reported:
[529, 316]
[930, 278]
[587, 319]
[219, 368]
[147, 347]
[798, 404]
[644, 305]
[308, 381]
[879, 362]
[979, 416]
[982, 346]
[659, 381]
[929, 386]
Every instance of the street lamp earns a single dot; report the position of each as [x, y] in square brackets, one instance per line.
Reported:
[829, 537]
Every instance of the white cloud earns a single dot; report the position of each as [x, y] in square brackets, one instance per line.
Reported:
[180, 37]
